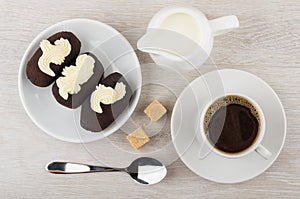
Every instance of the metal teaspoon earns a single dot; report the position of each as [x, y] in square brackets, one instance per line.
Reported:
[143, 170]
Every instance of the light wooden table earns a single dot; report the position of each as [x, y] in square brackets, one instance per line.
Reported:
[267, 44]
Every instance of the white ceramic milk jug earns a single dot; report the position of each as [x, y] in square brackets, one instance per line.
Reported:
[182, 37]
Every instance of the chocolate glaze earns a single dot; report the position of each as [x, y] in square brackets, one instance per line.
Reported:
[87, 88]
[41, 79]
[96, 122]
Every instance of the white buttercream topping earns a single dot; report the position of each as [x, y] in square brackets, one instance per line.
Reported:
[53, 54]
[107, 95]
[74, 76]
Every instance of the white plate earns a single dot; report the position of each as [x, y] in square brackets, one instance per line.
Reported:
[115, 53]
[185, 119]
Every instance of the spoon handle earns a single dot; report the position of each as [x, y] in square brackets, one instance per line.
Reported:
[72, 168]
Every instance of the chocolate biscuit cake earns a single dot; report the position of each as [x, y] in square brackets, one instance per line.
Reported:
[106, 103]
[85, 74]
[48, 61]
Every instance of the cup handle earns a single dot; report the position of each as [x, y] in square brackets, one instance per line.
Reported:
[204, 151]
[262, 151]
[223, 24]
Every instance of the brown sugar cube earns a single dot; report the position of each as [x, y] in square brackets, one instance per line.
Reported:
[155, 110]
[138, 138]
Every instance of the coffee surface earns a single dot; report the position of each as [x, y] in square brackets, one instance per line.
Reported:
[232, 126]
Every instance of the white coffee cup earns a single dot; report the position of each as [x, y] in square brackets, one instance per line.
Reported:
[206, 147]
[177, 50]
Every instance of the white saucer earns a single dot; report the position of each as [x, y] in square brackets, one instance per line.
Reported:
[115, 53]
[185, 119]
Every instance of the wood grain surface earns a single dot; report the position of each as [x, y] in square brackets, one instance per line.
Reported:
[267, 44]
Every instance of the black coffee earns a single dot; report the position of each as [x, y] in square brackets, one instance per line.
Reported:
[232, 124]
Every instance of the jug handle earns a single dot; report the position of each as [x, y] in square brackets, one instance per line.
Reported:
[223, 24]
